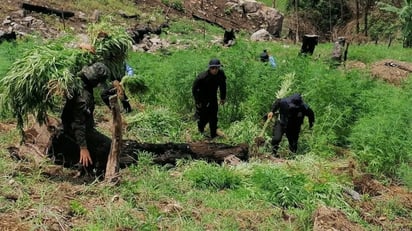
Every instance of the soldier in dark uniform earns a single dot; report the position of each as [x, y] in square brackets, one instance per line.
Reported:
[204, 91]
[292, 111]
[80, 143]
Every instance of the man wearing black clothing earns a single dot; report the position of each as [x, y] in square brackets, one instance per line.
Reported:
[292, 111]
[204, 91]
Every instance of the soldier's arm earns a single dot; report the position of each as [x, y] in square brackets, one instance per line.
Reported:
[311, 115]
[275, 106]
[196, 89]
[80, 112]
[222, 87]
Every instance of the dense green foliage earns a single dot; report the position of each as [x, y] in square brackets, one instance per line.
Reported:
[366, 117]
[37, 81]
[405, 19]
[44, 71]
[345, 102]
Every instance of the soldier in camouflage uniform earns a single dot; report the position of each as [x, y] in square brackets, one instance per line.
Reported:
[80, 142]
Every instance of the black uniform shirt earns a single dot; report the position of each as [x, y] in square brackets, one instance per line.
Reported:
[77, 116]
[205, 87]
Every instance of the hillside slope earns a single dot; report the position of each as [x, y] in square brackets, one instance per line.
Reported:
[127, 13]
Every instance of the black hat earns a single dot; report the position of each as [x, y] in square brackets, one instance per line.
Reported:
[214, 63]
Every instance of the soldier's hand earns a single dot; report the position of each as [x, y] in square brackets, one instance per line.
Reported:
[85, 158]
[270, 115]
[222, 102]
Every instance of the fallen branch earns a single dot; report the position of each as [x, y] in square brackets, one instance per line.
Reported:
[47, 10]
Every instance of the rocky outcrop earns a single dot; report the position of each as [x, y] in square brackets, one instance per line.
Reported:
[261, 16]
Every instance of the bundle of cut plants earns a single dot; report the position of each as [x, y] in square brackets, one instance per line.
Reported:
[112, 45]
[134, 84]
[38, 82]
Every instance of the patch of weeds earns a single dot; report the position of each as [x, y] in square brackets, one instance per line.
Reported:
[212, 176]
[228, 11]
[174, 4]
[282, 188]
[77, 209]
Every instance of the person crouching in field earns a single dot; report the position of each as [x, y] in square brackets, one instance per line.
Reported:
[81, 144]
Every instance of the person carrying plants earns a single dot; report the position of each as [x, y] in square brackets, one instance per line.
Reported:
[204, 91]
[80, 143]
[118, 68]
[292, 111]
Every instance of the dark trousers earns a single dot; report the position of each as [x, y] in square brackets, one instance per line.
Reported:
[292, 133]
[207, 113]
[65, 151]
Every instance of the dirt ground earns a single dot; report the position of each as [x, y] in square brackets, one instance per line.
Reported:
[212, 10]
[391, 71]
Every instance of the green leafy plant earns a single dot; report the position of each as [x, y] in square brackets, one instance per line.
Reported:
[282, 188]
[175, 4]
[37, 82]
[210, 176]
[77, 208]
[112, 45]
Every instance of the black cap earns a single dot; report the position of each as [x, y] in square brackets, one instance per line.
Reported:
[214, 63]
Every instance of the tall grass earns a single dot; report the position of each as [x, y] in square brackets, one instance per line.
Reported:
[342, 100]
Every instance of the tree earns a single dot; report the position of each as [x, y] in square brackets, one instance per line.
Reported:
[367, 7]
[323, 14]
[405, 16]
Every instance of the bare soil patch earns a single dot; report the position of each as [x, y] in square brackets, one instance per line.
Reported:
[391, 71]
[326, 219]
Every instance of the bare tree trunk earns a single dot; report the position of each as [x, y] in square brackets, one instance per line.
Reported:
[365, 21]
[112, 167]
[390, 41]
[330, 21]
[357, 17]
[368, 4]
[297, 21]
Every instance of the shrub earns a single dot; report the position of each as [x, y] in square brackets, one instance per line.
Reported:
[212, 176]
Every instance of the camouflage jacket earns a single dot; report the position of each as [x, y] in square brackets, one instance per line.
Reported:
[77, 116]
